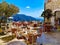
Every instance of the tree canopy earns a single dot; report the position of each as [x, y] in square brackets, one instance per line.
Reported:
[8, 9]
[47, 13]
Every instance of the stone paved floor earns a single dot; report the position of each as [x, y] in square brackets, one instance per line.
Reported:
[52, 38]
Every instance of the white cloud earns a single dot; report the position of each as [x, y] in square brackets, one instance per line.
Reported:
[27, 6]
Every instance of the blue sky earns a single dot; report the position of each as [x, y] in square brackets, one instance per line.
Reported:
[32, 8]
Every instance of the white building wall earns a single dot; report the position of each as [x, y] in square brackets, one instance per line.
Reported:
[52, 20]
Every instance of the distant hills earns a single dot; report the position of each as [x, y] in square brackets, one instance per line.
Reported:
[23, 17]
[41, 19]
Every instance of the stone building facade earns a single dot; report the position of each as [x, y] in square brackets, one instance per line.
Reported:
[54, 5]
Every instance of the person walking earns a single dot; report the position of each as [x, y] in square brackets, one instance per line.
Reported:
[41, 36]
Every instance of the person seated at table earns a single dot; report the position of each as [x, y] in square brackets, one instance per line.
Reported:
[19, 36]
[13, 28]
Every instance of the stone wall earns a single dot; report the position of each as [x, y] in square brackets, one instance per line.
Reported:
[53, 5]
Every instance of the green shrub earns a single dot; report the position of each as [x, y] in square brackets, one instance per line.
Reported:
[8, 38]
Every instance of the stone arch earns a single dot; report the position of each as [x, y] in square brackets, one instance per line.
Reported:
[57, 15]
[55, 10]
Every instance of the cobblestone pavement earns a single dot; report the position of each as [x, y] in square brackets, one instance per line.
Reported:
[52, 38]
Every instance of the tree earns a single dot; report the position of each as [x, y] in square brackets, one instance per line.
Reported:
[47, 14]
[7, 10]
